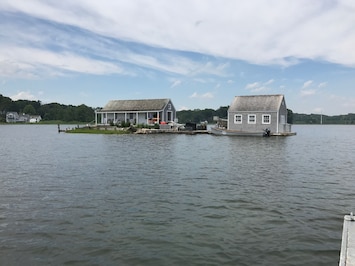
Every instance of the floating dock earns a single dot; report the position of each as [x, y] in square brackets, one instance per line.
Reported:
[347, 253]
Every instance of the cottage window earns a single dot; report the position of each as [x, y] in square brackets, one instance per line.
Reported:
[169, 106]
[238, 119]
[266, 119]
[251, 119]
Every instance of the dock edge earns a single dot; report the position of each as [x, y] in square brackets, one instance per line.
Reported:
[347, 251]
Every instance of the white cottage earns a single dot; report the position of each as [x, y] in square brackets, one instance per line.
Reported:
[149, 111]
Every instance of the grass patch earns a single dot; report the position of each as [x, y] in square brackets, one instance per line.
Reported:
[97, 131]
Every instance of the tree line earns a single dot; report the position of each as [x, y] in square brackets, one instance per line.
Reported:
[315, 119]
[83, 113]
[197, 115]
[48, 112]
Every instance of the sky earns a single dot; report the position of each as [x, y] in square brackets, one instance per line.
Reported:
[199, 53]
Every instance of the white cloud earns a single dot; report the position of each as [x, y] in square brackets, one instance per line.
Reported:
[204, 80]
[258, 87]
[200, 80]
[182, 108]
[23, 95]
[307, 84]
[252, 86]
[9, 68]
[277, 28]
[322, 84]
[32, 62]
[207, 95]
[27, 62]
[305, 93]
[30, 54]
[269, 82]
[175, 83]
[318, 110]
[308, 89]
[230, 81]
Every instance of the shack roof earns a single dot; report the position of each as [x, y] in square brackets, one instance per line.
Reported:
[256, 103]
[136, 105]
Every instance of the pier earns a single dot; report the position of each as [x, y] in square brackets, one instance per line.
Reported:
[129, 130]
[347, 253]
[60, 130]
[169, 131]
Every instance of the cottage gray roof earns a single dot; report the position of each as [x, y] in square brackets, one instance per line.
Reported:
[256, 103]
[136, 105]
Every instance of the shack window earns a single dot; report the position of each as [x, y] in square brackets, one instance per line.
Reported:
[266, 119]
[238, 119]
[251, 119]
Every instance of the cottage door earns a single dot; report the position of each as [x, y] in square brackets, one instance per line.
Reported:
[169, 116]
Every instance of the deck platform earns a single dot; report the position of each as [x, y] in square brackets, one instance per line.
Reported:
[285, 134]
[347, 253]
[169, 131]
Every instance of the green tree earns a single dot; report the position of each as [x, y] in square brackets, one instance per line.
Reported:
[289, 116]
[29, 109]
[222, 111]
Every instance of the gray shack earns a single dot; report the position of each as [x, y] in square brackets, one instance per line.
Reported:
[259, 112]
[146, 111]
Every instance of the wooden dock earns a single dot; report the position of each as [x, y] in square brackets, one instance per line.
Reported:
[106, 129]
[60, 130]
[169, 131]
[347, 253]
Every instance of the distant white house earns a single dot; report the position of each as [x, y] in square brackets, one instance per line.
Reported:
[14, 117]
[148, 111]
[35, 118]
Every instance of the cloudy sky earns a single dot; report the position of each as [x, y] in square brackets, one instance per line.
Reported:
[199, 53]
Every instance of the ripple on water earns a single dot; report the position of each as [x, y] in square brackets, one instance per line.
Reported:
[174, 199]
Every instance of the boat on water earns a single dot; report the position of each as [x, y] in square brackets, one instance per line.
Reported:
[229, 132]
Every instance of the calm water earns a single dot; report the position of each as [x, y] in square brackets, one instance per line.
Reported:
[68, 199]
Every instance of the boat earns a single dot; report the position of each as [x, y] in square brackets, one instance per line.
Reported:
[228, 132]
